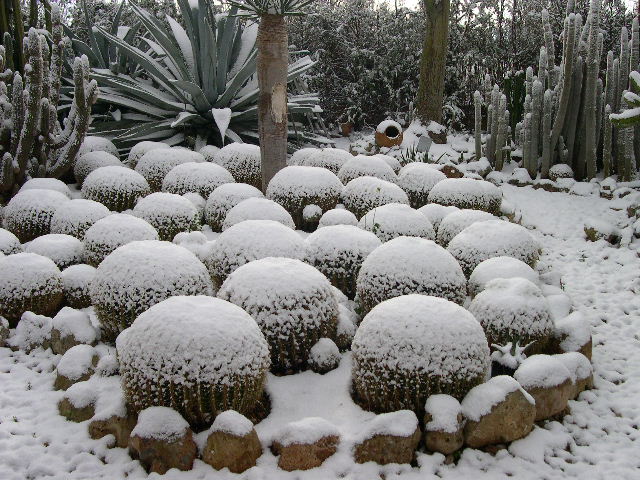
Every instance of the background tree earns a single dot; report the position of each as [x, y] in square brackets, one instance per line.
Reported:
[433, 61]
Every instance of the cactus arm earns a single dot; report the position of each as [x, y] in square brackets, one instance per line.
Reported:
[477, 100]
[546, 133]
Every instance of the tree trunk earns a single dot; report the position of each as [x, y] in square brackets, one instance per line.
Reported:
[433, 61]
[273, 61]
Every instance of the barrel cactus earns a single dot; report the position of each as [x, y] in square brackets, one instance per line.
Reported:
[223, 199]
[366, 193]
[168, 213]
[28, 214]
[117, 188]
[467, 193]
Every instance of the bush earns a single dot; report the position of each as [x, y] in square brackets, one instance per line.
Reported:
[338, 251]
[409, 265]
[139, 149]
[257, 209]
[168, 213]
[467, 193]
[196, 354]
[9, 243]
[333, 159]
[28, 214]
[499, 267]
[64, 250]
[140, 274]
[453, 223]
[97, 144]
[366, 193]
[28, 282]
[77, 216]
[201, 178]
[435, 213]
[223, 199]
[242, 160]
[47, 184]
[91, 161]
[118, 188]
[365, 166]
[417, 179]
[337, 216]
[411, 347]
[292, 303]
[397, 219]
[156, 164]
[76, 280]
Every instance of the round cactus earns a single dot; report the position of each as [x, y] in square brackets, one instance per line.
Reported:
[333, 159]
[140, 274]
[292, 302]
[64, 250]
[201, 178]
[513, 310]
[561, 170]
[91, 161]
[156, 164]
[28, 282]
[242, 160]
[408, 265]
[364, 166]
[28, 214]
[209, 153]
[9, 243]
[410, 347]
[223, 199]
[393, 162]
[435, 213]
[113, 231]
[417, 179]
[97, 144]
[47, 184]
[77, 216]
[257, 209]
[493, 238]
[168, 213]
[397, 219]
[139, 149]
[198, 355]
[499, 267]
[297, 187]
[75, 282]
[467, 193]
[118, 188]
[366, 193]
[301, 155]
[337, 216]
[338, 251]
[453, 223]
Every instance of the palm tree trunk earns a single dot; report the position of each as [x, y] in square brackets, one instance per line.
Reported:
[273, 60]
[433, 61]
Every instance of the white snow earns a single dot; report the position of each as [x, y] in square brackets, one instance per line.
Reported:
[233, 423]
[499, 267]
[402, 423]
[139, 149]
[365, 193]
[436, 212]
[417, 179]
[222, 117]
[466, 193]
[333, 159]
[393, 162]
[561, 170]
[75, 217]
[113, 181]
[324, 353]
[454, 222]
[337, 216]
[76, 361]
[9, 243]
[91, 161]
[93, 144]
[578, 365]
[482, 398]
[574, 331]
[444, 411]
[224, 198]
[396, 219]
[64, 250]
[160, 423]
[312, 213]
[76, 323]
[209, 152]
[368, 166]
[32, 332]
[156, 164]
[542, 371]
[257, 208]
[46, 184]
[199, 177]
[306, 431]
[167, 212]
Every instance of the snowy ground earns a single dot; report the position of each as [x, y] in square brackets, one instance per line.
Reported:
[599, 439]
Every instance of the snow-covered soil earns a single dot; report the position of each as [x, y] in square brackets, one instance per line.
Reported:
[599, 439]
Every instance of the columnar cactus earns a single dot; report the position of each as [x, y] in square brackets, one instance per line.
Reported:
[546, 133]
[477, 100]
[591, 86]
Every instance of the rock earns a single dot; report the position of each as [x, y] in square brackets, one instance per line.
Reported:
[581, 371]
[120, 426]
[572, 334]
[4, 330]
[324, 356]
[451, 171]
[520, 177]
[596, 229]
[33, 331]
[389, 438]
[497, 412]
[437, 132]
[75, 413]
[69, 328]
[305, 444]
[547, 185]
[232, 443]
[76, 365]
[443, 424]
[162, 440]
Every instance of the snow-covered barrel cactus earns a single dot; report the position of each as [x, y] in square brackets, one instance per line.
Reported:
[196, 354]
[333, 159]
[28, 282]
[561, 170]
[117, 188]
[338, 251]
[297, 187]
[257, 208]
[242, 160]
[77, 216]
[395, 220]
[301, 155]
[513, 310]
[337, 216]
[223, 199]
[91, 161]
[140, 274]
[28, 214]
[366, 166]
[292, 302]
[407, 265]
[366, 193]
[393, 162]
[9, 243]
[251, 240]
[168, 213]
[499, 267]
[47, 184]
[453, 223]
[411, 347]
[198, 177]
[209, 152]
[467, 193]
[97, 144]
[493, 238]
[435, 213]
[64, 250]
[156, 164]
[139, 149]
[113, 231]
[417, 179]
[75, 282]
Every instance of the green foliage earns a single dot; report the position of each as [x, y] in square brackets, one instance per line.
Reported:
[270, 7]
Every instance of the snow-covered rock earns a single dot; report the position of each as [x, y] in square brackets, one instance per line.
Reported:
[396, 219]
[306, 443]
[64, 250]
[118, 188]
[75, 217]
[223, 199]
[156, 164]
[46, 184]
[580, 369]
[366, 193]
[28, 214]
[454, 222]
[467, 193]
[573, 334]
[499, 267]
[337, 216]
[389, 438]
[257, 208]
[333, 159]
[69, 328]
[33, 331]
[168, 213]
[443, 422]
[91, 161]
[417, 179]
[596, 229]
[366, 166]
[242, 160]
[76, 365]
[202, 178]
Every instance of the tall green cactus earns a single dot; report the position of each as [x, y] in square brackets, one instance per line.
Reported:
[591, 89]
[546, 133]
[477, 100]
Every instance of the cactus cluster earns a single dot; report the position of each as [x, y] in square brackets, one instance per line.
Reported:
[33, 142]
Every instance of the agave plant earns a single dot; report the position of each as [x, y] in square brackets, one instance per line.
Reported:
[198, 82]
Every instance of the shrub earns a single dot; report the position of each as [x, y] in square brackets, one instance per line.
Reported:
[91, 161]
[77, 216]
[454, 222]
[499, 267]
[417, 179]
[64, 250]
[47, 184]
[242, 160]
[257, 208]
[365, 166]
[337, 216]
[117, 188]
[201, 178]
[397, 219]
[28, 214]
[76, 280]
[366, 193]
[467, 193]
[139, 149]
[9, 243]
[168, 213]
[156, 164]
[435, 213]
[97, 144]
[333, 159]
[223, 199]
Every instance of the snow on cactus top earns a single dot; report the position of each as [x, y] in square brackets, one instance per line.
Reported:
[574, 332]
[202, 178]
[436, 212]
[224, 198]
[418, 179]
[333, 159]
[160, 423]
[91, 161]
[156, 164]
[324, 352]
[402, 423]
[33, 205]
[301, 155]
[251, 240]
[493, 238]
[257, 208]
[77, 216]
[500, 267]
[28, 272]
[139, 149]
[167, 211]
[76, 361]
[365, 193]
[116, 179]
[423, 333]
[47, 184]
[97, 144]
[9, 243]
[337, 216]
[233, 423]
[299, 182]
[197, 339]
[242, 160]
[393, 162]
[467, 193]
[444, 411]
[75, 323]
[482, 398]
[453, 223]
[395, 220]
[542, 371]
[64, 250]
[402, 264]
[306, 431]
[369, 166]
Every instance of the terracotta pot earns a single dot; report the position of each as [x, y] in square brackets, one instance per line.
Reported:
[346, 128]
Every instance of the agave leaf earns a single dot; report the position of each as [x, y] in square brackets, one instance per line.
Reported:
[208, 51]
[239, 80]
[117, 99]
[186, 117]
[226, 31]
[184, 42]
[92, 39]
[84, 49]
[199, 99]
